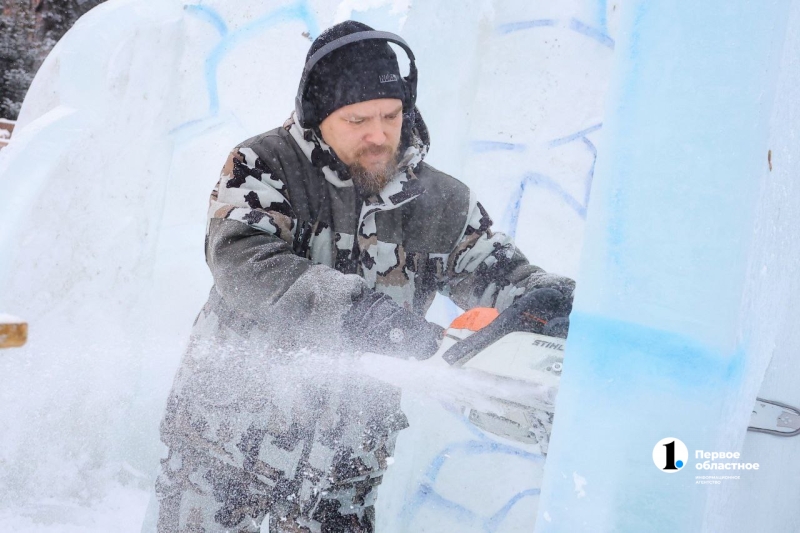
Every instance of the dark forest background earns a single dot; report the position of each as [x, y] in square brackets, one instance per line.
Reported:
[28, 31]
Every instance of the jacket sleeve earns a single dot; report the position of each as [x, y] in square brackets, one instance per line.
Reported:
[485, 269]
[250, 251]
[251, 227]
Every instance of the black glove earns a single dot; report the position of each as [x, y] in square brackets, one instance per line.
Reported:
[544, 311]
[377, 324]
[545, 280]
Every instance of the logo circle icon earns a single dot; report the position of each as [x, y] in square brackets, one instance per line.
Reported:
[670, 455]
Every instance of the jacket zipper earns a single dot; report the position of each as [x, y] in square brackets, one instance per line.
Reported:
[355, 250]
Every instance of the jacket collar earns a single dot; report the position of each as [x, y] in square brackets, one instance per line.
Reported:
[402, 188]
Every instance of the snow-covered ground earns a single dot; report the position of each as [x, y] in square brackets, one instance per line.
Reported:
[103, 195]
[121, 509]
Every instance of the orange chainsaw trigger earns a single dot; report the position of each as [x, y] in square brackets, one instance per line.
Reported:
[475, 319]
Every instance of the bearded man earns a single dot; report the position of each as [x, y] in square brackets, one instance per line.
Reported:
[326, 237]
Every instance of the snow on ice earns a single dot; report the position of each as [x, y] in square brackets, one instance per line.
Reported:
[104, 188]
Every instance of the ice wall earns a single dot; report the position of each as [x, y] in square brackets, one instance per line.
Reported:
[766, 500]
[671, 330]
[103, 193]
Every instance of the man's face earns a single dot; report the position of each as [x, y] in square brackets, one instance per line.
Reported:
[366, 137]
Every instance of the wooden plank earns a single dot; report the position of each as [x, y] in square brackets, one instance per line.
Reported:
[6, 129]
[13, 332]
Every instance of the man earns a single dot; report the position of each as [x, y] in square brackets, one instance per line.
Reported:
[327, 237]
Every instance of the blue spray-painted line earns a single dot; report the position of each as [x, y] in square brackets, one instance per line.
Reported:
[574, 24]
[504, 29]
[592, 33]
[199, 123]
[480, 147]
[231, 39]
[590, 175]
[494, 522]
[575, 136]
[208, 15]
[481, 444]
[545, 182]
[472, 447]
[602, 16]
[612, 348]
[426, 492]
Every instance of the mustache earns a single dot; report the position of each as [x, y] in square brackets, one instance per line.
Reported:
[375, 150]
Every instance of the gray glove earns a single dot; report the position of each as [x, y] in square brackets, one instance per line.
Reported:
[545, 280]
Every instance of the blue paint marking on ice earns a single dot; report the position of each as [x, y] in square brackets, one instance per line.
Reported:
[575, 136]
[209, 15]
[480, 147]
[579, 206]
[593, 33]
[574, 24]
[656, 337]
[617, 349]
[229, 40]
[590, 175]
[546, 182]
[610, 366]
[494, 522]
[602, 19]
[476, 447]
[503, 29]
[426, 493]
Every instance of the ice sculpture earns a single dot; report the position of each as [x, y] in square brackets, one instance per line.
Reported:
[102, 204]
[103, 193]
[670, 333]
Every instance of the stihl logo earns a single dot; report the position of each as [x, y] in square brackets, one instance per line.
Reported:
[388, 78]
[551, 345]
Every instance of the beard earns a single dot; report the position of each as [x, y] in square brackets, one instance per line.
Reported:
[370, 182]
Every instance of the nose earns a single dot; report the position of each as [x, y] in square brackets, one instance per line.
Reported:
[375, 134]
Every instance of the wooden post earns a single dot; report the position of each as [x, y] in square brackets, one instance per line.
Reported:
[13, 332]
[6, 129]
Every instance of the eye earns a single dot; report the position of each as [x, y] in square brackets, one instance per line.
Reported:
[353, 120]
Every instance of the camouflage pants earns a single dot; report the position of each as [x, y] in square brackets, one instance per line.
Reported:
[200, 495]
[298, 437]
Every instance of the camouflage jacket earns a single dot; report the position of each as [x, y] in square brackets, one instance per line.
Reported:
[289, 240]
[260, 420]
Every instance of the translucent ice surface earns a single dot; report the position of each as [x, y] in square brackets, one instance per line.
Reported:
[688, 275]
[687, 283]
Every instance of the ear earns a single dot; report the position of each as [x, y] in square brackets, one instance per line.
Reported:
[308, 116]
[410, 86]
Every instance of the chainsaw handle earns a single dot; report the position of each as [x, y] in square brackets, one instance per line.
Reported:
[464, 350]
[544, 311]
